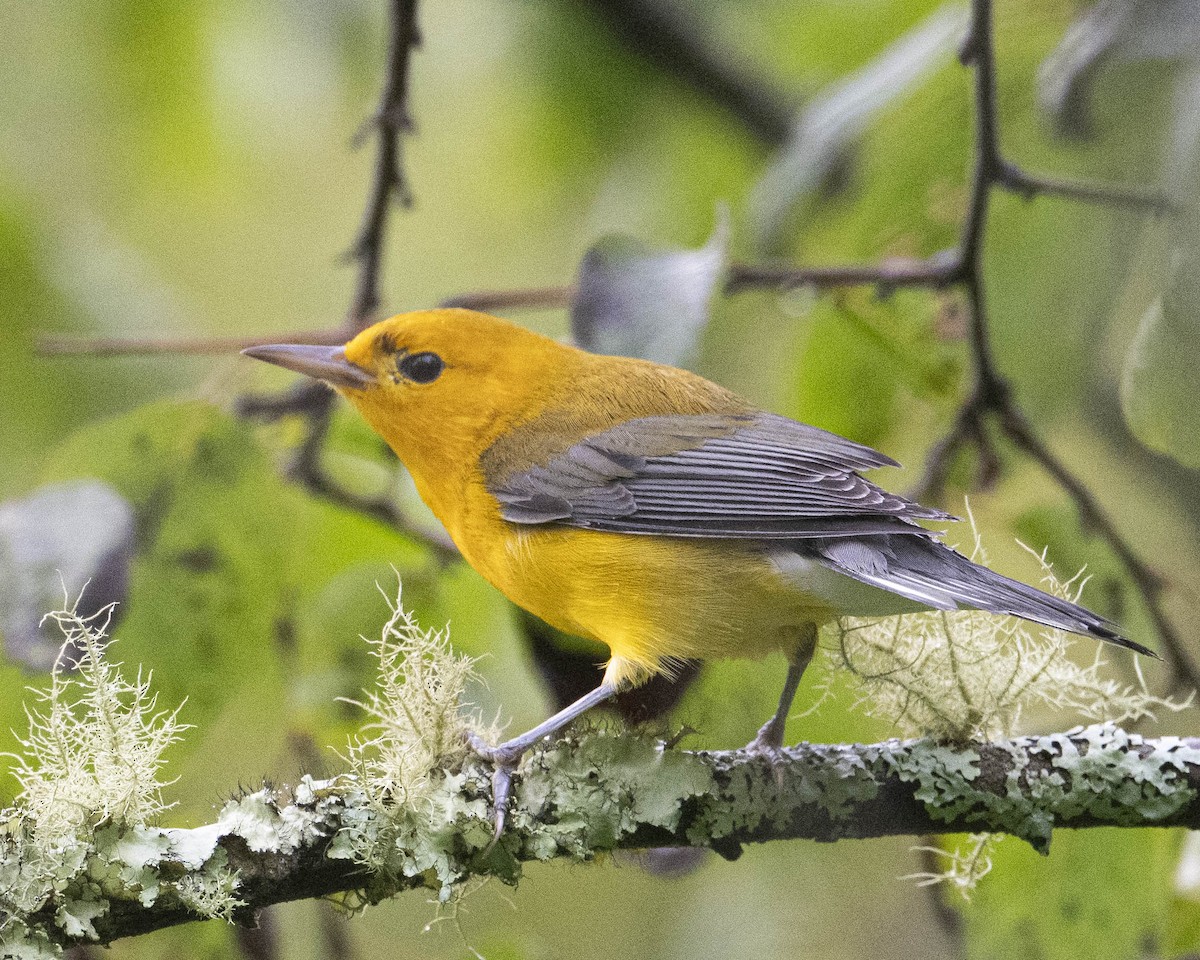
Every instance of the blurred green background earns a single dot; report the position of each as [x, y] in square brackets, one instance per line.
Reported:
[184, 170]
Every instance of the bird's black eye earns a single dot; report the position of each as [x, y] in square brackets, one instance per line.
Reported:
[424, 367]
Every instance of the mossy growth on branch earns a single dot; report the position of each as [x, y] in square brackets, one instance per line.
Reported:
[90, 773]
[81, 858]
[968, 675]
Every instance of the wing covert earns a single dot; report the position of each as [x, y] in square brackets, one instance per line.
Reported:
[752, 475]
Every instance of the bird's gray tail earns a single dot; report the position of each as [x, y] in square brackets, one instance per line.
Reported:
[930, 573]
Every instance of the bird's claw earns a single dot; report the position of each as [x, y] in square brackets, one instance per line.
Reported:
[501, 756]
[768, 744]
[505, 762]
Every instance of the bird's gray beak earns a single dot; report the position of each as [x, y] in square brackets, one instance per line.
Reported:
[321, 363]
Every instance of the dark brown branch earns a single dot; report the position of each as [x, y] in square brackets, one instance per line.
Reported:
[529, 298]
[574, 802]
[1149, 584]
[936, 272]
[991, 396]
[390, 122]
[666, 36]
[1012, 178]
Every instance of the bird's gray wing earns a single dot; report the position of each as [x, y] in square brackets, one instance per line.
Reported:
[752, 475]
[762, 476]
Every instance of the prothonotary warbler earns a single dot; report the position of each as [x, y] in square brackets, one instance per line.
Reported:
[647, 508]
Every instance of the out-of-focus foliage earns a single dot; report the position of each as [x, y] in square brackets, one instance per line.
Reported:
[649, 304]
[1054, 907]
[1158, 395]
[826, 130]
[1113, 31]
[1159, 388]
[184, 170]
[78, 534]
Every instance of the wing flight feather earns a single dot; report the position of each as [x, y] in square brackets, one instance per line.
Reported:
[712, 475]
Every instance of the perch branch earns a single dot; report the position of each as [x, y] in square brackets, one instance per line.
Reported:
[601, 791]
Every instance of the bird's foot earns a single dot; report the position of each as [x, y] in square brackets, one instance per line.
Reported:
[768, 744]
[505, 756]
[769, 739]
[505, 759]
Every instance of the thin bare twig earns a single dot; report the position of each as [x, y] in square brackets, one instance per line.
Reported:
[529, 298]
[390, 122]
[935, 272]
[1149, 583]
[312, 401]
[1029, 185]
[991, 397]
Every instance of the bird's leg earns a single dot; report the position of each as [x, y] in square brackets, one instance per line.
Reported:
[507, 755]
[770, 735]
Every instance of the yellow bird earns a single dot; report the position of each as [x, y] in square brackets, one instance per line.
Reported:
[648, 508]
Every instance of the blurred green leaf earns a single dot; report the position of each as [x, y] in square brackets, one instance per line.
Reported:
[227, 553]
[218, 538]
[62, 544]
[1112, 31]
[1160, 392]
[1100, 894]
[833, 358]
[834, 120]
[637, 302]
[1183, 931]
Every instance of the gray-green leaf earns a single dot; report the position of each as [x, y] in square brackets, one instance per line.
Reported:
[1113, 31]
[62, 537]
[839, 116]
[1159, 389]
[652, 304]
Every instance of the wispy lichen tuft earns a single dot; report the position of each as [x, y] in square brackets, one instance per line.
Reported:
[405, 758]
[968, 674]
[94, 752]
[90, 780]
[965, 865]
[417, 725]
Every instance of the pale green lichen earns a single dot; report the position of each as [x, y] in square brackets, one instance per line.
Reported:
[211, 891]
[77, 837]
[1101, 771]
[969, 675]
[405, 764]
[753, 798]
[95, 746]
[416, 723]
[567, 809]
[966, 864]
[1120, 777]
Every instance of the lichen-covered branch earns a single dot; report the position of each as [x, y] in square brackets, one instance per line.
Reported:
[592, 793]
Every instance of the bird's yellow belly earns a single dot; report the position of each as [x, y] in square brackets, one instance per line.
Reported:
[652, 600]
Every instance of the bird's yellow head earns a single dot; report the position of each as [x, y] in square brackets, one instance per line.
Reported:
[437, 385]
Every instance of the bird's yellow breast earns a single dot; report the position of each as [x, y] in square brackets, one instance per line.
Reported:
[652, 600]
